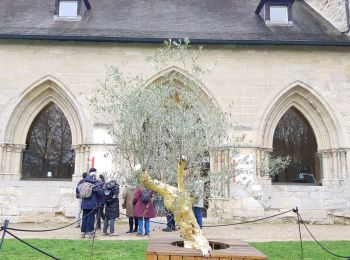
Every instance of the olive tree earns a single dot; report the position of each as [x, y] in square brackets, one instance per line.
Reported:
[167, 126]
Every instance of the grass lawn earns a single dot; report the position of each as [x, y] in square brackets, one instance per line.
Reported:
[136, 250]
[74, 249]
[291, 250]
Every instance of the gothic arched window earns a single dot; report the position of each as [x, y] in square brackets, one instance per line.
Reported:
[294, 136]
[49, 152]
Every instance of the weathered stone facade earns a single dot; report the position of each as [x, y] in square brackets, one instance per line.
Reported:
[333, 10]
[37, 201]
[317, 204]
[260, 82]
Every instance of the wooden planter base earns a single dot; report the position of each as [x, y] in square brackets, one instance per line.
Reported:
[172, 249]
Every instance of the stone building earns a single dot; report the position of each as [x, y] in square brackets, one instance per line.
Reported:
[283, 71]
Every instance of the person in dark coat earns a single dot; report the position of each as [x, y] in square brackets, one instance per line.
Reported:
[89, 206]
[100, 214]
[170, 224]
[143, 211]
[112, 207]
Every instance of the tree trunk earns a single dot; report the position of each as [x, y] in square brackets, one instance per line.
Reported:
[180, 203]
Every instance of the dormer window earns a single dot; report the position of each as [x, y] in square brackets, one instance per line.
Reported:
[70, 9]
[276, 12]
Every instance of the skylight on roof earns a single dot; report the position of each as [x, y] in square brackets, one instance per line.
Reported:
[68, 9]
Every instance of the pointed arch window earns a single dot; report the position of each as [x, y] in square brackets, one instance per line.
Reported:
[49, 153]
[295, 137]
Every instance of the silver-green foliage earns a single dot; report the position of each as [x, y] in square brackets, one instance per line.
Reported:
[155, 123]
[274, 166]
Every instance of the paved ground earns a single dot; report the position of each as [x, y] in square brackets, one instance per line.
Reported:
[248, 232]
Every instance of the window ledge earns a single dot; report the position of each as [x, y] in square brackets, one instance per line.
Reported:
[269, 23]
[46, 179]
[67, 18]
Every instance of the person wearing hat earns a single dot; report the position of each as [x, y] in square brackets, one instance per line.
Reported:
[93, 171]
[111, 193]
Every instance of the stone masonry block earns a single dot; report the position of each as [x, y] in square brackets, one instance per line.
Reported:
[250, 203]
[335, 203]
[292, 202]
[307, 203]
[276, 202]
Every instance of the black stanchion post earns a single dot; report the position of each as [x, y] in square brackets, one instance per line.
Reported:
[296, 211]
[6, 223]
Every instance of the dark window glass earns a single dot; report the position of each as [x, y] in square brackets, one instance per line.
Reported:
[49, 152]
[294, 137]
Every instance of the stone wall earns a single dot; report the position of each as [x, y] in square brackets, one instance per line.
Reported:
[332, 10]
[247, 78]
[245, 82]
[316, 204]
[37, 201]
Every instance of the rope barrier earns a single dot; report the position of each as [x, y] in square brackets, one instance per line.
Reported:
[53, 229]
[250, 221]
[35, 248]
[295, 210]
[232, 224]
[313, 237]
[156, 222]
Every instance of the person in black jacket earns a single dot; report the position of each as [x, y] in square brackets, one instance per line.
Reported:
[112, 207]
[100, 213]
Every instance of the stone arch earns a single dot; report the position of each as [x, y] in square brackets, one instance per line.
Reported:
[320, 116]
[33, 99]
[322, 119]
[26, 107]
[207, 98]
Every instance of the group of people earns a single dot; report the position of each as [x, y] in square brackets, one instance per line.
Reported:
[100, 200]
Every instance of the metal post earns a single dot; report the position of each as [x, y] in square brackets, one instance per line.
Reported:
[6, 223]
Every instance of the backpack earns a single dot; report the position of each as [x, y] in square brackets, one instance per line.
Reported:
[145, 196]
[85, 190]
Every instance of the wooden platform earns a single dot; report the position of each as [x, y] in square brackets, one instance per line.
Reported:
[162, 249]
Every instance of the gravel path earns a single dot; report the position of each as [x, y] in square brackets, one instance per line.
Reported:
[248, 232]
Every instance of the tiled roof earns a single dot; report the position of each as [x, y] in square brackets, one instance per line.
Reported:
[206, 21]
